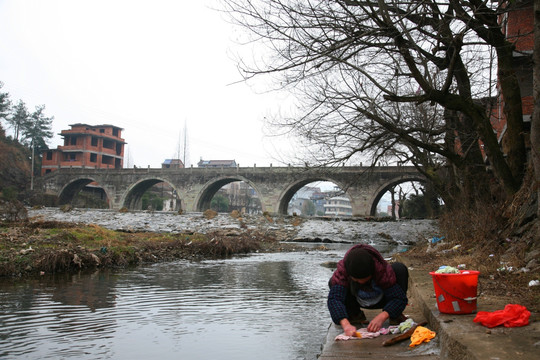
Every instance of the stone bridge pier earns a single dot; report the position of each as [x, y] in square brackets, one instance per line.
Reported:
[195, 187]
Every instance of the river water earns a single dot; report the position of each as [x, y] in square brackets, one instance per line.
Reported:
[264, 306]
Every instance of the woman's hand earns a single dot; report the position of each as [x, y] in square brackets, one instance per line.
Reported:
[377, 322]
[348, 329]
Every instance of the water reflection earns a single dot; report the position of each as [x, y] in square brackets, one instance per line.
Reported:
[96, 290]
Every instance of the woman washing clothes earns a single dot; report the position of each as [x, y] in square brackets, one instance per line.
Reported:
[363, 279]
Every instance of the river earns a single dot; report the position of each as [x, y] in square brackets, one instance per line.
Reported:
[265, 306]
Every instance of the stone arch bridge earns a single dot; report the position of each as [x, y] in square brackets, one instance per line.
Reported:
[195, 187]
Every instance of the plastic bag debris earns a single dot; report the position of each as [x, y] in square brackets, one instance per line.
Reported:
[436, 239]
[505, 268]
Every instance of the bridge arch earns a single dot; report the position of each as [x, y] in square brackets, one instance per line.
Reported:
[382, 189]
[204, 197]
[132, 197]
[275, 186]
[69, 191]
[287, 194]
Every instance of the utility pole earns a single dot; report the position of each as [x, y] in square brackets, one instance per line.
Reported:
[185, 143]
[32, 170]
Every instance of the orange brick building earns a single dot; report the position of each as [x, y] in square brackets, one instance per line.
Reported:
[86, 146]
[518, 25]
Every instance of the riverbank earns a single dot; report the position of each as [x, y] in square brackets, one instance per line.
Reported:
[51, 240]
[507, 270]
[44, 247]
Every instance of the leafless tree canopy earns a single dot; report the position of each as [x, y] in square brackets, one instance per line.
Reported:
[404, 81]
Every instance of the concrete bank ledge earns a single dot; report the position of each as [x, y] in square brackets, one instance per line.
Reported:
[460, 337]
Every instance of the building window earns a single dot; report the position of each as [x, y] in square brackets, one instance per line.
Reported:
[107, 160]
[70, 157]
[49, 155]
[94, 141]
[93, 158]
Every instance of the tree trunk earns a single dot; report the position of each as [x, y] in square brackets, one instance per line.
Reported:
[392, 193]
[535, 120]
[514, 144]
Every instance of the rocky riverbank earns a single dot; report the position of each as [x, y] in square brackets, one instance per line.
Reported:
[284, 228]
[55, 241]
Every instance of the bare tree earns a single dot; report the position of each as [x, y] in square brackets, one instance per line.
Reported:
[365, 70]
[535, 121]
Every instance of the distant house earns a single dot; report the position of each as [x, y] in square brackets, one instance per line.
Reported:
[396, 210]
[307, 192]
[319, 199]
[216, 163]
[338, 206]
[172, 164]
[86, 146]
[297, 202]
[242, 197]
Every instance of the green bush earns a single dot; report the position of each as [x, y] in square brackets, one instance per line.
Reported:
[9, 193]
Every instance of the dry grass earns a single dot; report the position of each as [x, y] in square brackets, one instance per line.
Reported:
[51, 247]
[479, 239]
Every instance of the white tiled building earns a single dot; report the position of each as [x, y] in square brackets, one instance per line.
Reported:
[338, 206]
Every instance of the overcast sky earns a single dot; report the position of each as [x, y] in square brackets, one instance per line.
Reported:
[146, 66]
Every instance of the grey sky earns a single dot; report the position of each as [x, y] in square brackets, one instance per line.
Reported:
[146, 66]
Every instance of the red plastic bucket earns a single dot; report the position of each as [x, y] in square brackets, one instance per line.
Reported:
[456, 293]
